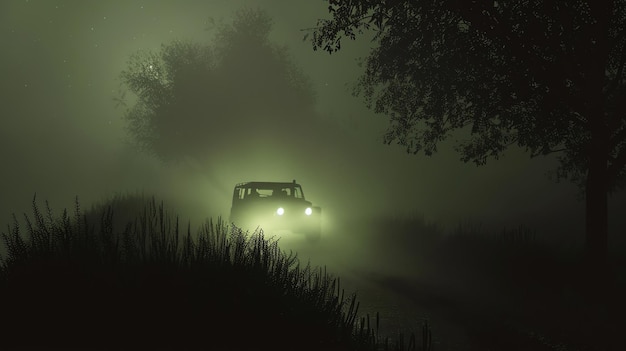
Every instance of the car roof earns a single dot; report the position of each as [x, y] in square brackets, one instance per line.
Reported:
[267, 184]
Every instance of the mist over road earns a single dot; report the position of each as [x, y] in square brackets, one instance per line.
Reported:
[470, 296]
[388, 281]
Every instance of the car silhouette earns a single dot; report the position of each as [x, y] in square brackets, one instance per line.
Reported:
[275, 207]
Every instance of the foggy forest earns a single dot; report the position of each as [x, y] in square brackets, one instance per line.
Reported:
[312, 175]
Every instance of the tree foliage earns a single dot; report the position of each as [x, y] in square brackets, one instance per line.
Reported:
[194, 99]
[538, 74]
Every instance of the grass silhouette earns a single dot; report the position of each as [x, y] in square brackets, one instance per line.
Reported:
[126, 274]
[140, 281]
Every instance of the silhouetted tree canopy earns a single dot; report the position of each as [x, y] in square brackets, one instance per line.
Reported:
[193, 98]
[547, 76]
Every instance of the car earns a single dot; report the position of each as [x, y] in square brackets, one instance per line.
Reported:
[275, 207]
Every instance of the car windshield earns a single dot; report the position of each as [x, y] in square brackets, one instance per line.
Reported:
[271, 191]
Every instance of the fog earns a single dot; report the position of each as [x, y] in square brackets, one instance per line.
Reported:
[62, 136]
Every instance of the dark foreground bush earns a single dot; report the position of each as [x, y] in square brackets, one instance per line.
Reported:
[152, 285]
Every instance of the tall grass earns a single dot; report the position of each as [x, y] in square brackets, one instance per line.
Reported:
[156, 284]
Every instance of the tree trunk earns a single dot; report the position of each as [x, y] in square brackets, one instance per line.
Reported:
[595, 43]
[596, 224]
[596, 196]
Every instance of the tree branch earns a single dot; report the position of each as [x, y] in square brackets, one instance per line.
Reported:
[618, 76]
[616, 166]
[618, 137]
[547, 151]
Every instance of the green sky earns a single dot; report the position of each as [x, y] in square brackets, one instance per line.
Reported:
[61, 135]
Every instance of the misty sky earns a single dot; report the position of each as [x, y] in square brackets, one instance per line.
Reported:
[61, 135]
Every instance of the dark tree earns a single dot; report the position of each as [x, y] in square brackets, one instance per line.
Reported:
[198, 100]
[547, 76]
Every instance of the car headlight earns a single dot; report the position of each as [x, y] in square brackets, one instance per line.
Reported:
[308, 211]
[280, 211]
